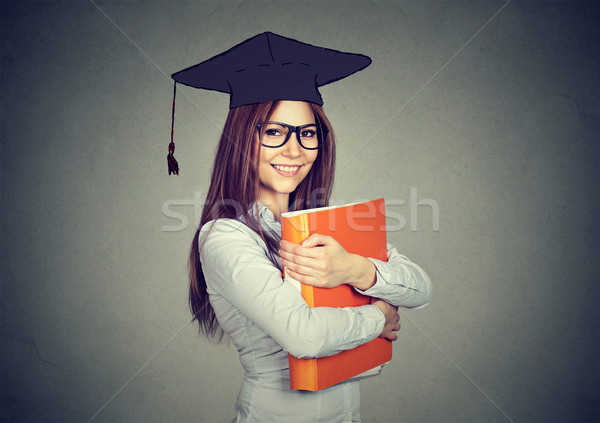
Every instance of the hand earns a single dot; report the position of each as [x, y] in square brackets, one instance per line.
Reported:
[321, 261]
[392, 320]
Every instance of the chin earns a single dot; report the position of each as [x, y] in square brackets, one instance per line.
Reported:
[286, 190]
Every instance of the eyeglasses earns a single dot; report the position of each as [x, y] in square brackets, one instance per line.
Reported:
[276, 134]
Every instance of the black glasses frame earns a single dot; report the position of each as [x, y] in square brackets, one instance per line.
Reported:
[322, 132]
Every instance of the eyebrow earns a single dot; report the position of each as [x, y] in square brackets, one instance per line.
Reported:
[289, 124]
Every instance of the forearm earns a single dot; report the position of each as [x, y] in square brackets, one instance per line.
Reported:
[239, 276]
[362, 272]
[325, 331]
[400, 281]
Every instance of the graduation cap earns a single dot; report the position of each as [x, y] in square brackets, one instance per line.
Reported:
[268, 67]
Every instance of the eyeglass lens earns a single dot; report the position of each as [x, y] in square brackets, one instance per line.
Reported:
[276, 134]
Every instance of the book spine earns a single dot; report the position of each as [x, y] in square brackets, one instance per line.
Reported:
[303, 373]
[296, 229]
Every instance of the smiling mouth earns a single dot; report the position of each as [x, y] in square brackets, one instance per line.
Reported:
[287, 169]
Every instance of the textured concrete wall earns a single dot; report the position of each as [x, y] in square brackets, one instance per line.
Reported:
[487, 111]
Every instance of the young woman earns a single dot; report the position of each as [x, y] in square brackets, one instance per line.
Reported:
[276, 155]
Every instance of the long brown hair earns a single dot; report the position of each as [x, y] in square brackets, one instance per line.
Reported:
[228, 198]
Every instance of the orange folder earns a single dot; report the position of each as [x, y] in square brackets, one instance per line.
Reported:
[360, 229]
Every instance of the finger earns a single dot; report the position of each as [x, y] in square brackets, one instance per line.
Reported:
[309, 266]
[298, 268]
[290, 249]
[286, 245]
[314, 272]
[318, 239]
[390, 336]
[305, 279]
[297, 258]
[299, 277]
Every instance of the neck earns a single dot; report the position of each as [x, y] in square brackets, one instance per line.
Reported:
[277, 203]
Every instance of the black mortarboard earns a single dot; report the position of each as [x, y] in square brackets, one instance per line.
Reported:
[271, 67]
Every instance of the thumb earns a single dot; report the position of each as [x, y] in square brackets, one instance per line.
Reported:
[317, 239]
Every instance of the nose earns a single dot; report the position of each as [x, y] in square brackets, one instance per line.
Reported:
[292, 148]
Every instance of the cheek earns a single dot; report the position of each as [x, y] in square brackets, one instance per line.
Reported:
[310, 162]
[265, 155]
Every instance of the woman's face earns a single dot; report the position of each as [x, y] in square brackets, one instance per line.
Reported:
[282, 169]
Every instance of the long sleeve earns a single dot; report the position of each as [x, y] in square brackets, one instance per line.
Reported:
[236, 268]
[400, 282]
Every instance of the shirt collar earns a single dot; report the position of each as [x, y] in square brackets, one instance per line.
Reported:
[263, 211]
[267, 218]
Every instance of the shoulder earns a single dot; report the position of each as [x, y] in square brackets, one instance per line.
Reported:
[227, 247]
[227, 235]
[225, 228]
[222, 226]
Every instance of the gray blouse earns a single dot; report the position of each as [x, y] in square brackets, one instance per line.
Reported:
[266, 318]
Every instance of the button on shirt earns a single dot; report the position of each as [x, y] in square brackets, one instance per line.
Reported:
[266, 317]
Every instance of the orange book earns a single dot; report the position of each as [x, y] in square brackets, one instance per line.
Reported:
[360, 229]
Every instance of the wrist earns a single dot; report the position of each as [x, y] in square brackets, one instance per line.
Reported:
[364, 272]
[380, 305]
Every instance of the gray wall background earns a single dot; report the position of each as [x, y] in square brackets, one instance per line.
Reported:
[502, 135]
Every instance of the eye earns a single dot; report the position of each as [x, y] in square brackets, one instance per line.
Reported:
[272, 132]
[308, 133]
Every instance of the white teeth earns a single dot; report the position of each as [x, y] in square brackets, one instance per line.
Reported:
[286, 168]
